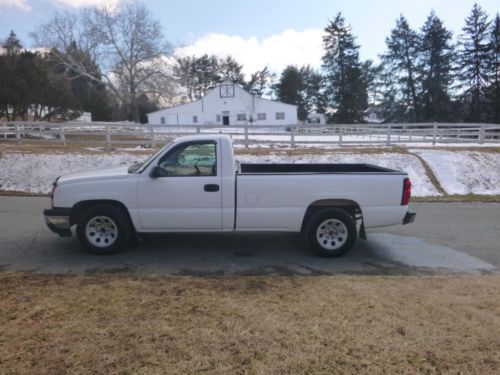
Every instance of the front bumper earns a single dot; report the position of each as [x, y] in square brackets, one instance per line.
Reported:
[409, 218]
[58, 220]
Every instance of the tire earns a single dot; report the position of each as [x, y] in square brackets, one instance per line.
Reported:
[331, 232]
[103, 229]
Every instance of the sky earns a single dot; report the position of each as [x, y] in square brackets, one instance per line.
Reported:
[258, 33]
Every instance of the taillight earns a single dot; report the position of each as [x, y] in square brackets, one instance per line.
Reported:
[405, 199]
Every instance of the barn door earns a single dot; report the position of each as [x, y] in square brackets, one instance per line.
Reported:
[225, 118]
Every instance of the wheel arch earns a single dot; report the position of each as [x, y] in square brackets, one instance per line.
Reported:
[81, 206]
[348, 205]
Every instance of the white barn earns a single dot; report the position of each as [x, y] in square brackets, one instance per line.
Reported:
[227, 104]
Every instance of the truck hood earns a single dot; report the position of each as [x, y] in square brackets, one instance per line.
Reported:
[97, 174]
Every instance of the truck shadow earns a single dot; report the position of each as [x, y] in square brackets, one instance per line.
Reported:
[217, 254]
[212, 254]
[248, 254]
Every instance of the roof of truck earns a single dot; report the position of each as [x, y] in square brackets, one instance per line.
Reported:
[198, 137]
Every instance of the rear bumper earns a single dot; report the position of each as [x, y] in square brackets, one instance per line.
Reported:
[409, 218]
[57, 219]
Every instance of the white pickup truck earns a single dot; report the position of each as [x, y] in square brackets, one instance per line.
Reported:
[195, 185]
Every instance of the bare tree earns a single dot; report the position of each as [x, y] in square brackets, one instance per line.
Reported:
[125, 42]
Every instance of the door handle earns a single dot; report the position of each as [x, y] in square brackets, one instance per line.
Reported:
[211, 188]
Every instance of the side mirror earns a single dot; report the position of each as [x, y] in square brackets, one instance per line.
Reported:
[157, 171]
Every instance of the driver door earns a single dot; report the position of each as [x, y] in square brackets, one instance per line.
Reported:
[188, 194]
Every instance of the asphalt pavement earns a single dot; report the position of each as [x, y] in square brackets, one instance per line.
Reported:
[445, 238]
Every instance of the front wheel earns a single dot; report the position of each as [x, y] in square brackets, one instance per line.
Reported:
[103, 229]
[331, 232]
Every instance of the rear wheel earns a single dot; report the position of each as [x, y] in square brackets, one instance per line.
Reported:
[103, 229]
[331, 232]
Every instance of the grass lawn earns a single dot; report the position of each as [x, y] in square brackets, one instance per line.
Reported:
[255, 325]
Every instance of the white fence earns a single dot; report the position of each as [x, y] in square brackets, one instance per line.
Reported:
[110, 134]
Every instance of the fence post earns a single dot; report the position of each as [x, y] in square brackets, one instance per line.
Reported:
[481, 135]
[152, 135]
[292, 136]
[62, 136]
[197, 129]
[108, 136]
[246, 136]
[434, 134]
[341, 136]
[5, 130]
[388, 135]
[18, 136]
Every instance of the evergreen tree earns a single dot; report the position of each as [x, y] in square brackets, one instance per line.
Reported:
[289, 89]
[493, 91]
[207, 74]
[198, 75]
[229, 68]
[400, 60]
[313, 93]
[344, 83]
[436, 59]
[473, 60]
[303, 88]
[185, 74]
[30, 85]
[146, 106]
[372, 76]
[259, 82]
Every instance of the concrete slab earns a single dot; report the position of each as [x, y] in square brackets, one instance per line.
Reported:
[415, 252]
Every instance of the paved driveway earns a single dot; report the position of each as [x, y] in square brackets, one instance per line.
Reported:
[446, 237]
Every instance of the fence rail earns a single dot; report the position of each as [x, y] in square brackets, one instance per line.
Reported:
[109, 134]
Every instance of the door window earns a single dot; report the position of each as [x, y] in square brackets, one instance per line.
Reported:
[193, 159]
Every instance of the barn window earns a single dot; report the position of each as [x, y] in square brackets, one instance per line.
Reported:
[241, 117]
[261, 117]
[280, 115]
[227, 91]
[162, 120]
[195, 119]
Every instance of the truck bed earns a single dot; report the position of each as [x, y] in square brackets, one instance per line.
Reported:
[313, 168]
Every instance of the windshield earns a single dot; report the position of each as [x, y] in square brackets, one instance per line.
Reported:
[139, 167]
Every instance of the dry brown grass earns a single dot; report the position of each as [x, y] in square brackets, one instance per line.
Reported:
[37, 147]
[491, 149]
[254, 325]
[459, 198]
[429, 172]
[12, 193]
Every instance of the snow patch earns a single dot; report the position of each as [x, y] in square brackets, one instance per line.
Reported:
[459, 172]
[35, 173]
[464, 172]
